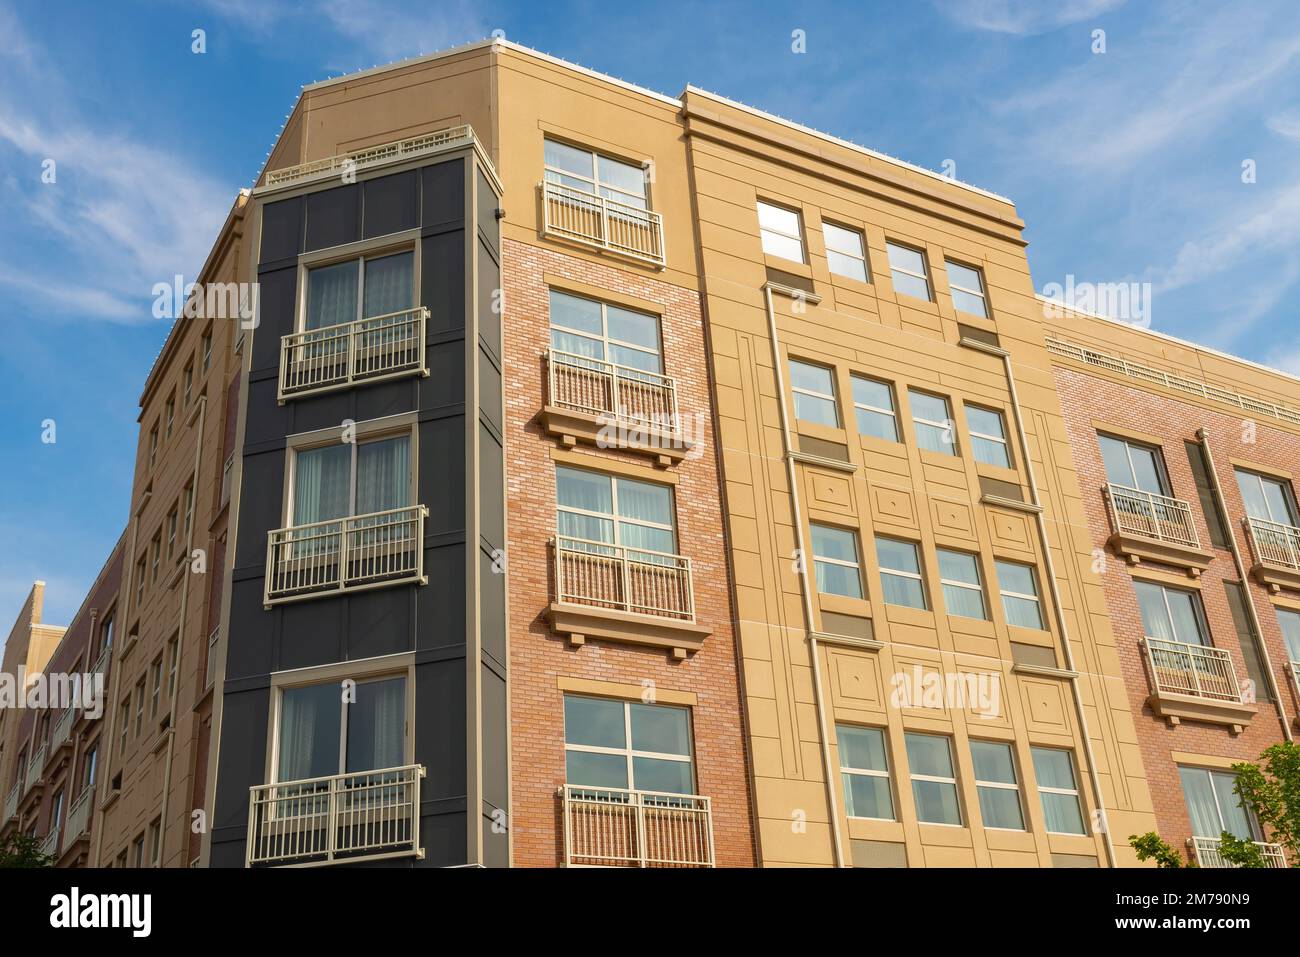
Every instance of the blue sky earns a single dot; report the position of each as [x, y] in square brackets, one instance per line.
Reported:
[1126, 166]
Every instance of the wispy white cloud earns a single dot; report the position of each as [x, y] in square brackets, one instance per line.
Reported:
[1024, 17]
[1286, 123]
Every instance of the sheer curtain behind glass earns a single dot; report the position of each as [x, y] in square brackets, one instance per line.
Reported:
[376, 725]
[332, 295]
[383, 475]
[309, 732]
[321, 484]
[389, 285]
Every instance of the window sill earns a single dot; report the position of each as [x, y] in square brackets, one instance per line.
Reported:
[1276, 577]
[572, 427]
[1176, 708]
[1136, 548]
[580, 622]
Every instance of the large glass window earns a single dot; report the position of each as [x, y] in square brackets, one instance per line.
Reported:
[781, 231]
[627, 744]
[932, 422]
[1214, 806]
[1058, 790]
[363, 288]
[351, 478]
[864, 771]
[337, 728]
[1290, 624]
[963, 591]
[591, 172]
[1133, 465]
[1171, 614]
[835, 560]
[845, 252]
[1266, 498]
[595, 507]
[967, 286]
[814, 394]
[934, 784]
[1018, 587]
[873, 404]
[606, 333]
[907, 269]
[988, 436]
[996, 785]
[900, 572]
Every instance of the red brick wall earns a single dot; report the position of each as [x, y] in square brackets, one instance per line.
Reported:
[1089, 399]
[538, 656]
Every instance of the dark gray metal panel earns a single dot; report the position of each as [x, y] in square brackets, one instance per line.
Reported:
[281, 230]
[390, 204]
[333, 217]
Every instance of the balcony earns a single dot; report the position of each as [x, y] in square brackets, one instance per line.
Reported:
[11, 802]
[35, 767]
[363, 816]
[102, 662]
[210, 669]
[61, 735]
[79, 817]
[1154, 527]
[624, 594]
[50, 843]
[1206, 852]
[605, 224]
[330, 167]
[347, 554]
[1276, 548]
[1195, 682]
[614, 827]
[338, 357]
[613, 406]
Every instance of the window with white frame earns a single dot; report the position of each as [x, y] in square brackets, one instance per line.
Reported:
[967, 286]
[908, 271]
[345, 479]
[996, 785]
[932, 422]
[1171, 614]
[1058, 790]
[595, 173]
[627, 745]
[367, 287]
[1018, 586]
[963, 591]
[781, 231]
[1290, 624]
[845, 252]
[596, 508]
[1214, 806]
[814, 394]
[873, 405]
[604, 332]
[988, 436]
[835, 561]
[900, 572]
[322, 731]
[864, 772]
[1267, 498]
[1133, 465]
[934, 782]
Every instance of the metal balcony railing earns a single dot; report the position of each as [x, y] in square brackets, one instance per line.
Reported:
[1295, 675]
[437, 141]
[50, 843]
[35, 767]
[343, 817]
[79, 814]
[11, 802]
[612, 391]
[367, 350]
[594, 220]
[623, 579]
[615, 827]
[1207, 854]
[210, 668]
[1196, 670]
[346, 554]
[102, 662]
[1274, 543]
[62, 729]
[1159, 517]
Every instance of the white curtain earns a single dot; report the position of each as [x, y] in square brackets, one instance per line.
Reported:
[321, 480]
[376, 725]
[383, 475]
[389, 285]
[332, 295]
[309, 732]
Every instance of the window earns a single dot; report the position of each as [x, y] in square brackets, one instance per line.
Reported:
[324, 732]
[124, 722]
[89, 765]
[932, 422]
[155, 681]
[963, 591]
[137, 851]
[1133, 465]
[188, 391]
[153, 444]
[56, 812]
[173, 659]
[1058, 791]
[845, 252]
[171, 532]
[139, 706]
[363, 288]
[1171, 614]
[988, 436]
[967, 286]
[1267, 498]
[121, 860]
[351, 478]
[996, 785]
[591, 172]
[106, 633]
[1290, 623]
[155, 557]
[835, 560]
[155, 842]
[907, 269]
[1019, 589]
[873, 404]
[170, 417]
[934, 785]
[781, 231]
[189, 510]
[598, 508]
[864, 771]
[205, 349]
[1214, 806]
[900, 573]
[627, 744]
[814, 394]
[139, 582]
[606, 333]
